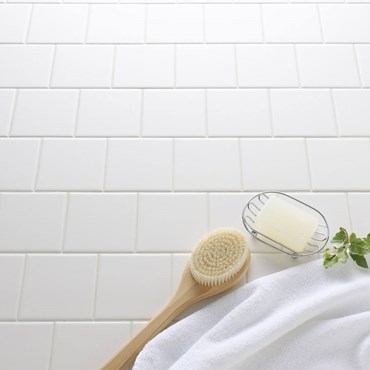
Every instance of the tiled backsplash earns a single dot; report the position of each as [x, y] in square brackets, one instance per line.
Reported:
[130, 130]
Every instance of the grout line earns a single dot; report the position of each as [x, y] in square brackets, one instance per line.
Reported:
[241, 164]
[87, 23]
[96, 285]
[141, 125]
[65, 219]
[104, 88]
[296, 66]
[113, 66]
[29, 25]
[320, 24]
[349, 211]
[308, 164]
[171, 274]
[78, 105]
[23, 277]
[12, 115]
[270, 112]
[38, 162]
[174, 65]
[334, 112]
[136, 222]
[26, 35]
[358, 69]
[236, 66]
[145, 23]
[204, 22]
[206, 123]
[173, 165]
[208, 215]
[262, 24]
[53, 58]
[52, 346]
[104, 180]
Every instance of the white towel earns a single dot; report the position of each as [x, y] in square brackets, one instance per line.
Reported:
[302, 318]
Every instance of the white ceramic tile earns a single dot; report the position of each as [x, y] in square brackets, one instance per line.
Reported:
[363, 54]
[18, 160]
[109, 113]
[144, 66]
[142, 280]
[274, 164]
[138, 164]
[359, 205]
[331, 157]
[179, 262]
[25, 345]
[174, 113]
[33, 1]
[266, 66]
[205, 66]
[58, 287]
[58, 23]
[6, 109]
[327, 66]
[291, 23]
[238, 113]
[332, 205]
[266, 264]
[116, 23]
[345, 23]
[25, 65]
[207, 164]
[13, 22]
[95, 1]
[45, 113]
[83, 66]
[31, 222]
[352, 111]
[302, 113]
[101, 223]
[137, 326]
[11, 267]
[174, 23]
[171, 222]
[233, 23]
[71, 164]
[225, 210]
[87, 346]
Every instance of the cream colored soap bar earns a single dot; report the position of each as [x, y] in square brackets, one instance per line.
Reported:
[285, 223]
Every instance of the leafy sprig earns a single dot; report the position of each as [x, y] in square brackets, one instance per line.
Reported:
[346, 245]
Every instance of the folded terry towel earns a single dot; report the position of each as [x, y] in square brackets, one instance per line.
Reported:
[302, 318]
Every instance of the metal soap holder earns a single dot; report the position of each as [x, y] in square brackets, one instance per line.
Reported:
[255, 205]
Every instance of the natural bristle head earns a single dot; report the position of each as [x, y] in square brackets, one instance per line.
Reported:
[218, 257]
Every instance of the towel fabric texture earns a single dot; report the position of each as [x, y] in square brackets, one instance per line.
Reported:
[302, 318]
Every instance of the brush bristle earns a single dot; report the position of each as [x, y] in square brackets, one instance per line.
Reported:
[218, 257]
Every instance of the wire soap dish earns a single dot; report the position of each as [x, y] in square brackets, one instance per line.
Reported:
[255, 205]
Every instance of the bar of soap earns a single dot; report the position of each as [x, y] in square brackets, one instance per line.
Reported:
[286, 224]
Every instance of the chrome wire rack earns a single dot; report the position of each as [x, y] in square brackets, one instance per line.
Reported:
[255, 205]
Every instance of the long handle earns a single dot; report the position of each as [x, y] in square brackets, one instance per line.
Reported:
[129, 352]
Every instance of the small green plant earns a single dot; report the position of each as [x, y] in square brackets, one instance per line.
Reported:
[345, 245]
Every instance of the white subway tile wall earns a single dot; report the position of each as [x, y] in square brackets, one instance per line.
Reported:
[131, 128]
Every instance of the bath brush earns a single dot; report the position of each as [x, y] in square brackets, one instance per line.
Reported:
[218, 263]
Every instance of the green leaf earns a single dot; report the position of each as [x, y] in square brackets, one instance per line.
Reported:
[359, 246]
[341, 236]
[360, 260]
[367, 239]
[342, 254]
[329, 259]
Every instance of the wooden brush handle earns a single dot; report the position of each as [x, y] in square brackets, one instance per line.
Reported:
[128, 353]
